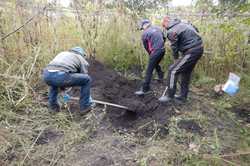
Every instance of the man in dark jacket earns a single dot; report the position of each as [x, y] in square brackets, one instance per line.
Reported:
[184, 38]
[67, 69]
[153, 41]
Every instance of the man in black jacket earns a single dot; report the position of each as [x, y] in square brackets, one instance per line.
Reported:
[184, 38]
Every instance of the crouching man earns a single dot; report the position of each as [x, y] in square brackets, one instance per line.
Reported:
[69, 69]
[153, 41]
[184, 38]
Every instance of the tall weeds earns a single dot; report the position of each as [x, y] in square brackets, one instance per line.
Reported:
[109, 35]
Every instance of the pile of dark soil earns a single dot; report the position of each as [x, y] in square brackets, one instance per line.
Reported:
[109, 86]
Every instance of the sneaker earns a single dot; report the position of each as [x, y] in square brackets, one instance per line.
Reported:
[142, 92]
[165, 99]
[180, 99]
[88, 109]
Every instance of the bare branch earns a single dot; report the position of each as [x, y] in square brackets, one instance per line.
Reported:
[27, 22]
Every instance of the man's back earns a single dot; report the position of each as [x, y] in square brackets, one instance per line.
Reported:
[185, 34]
[69, 62]
[153, 39]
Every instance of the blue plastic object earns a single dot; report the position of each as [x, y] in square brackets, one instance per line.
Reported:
[231, 89]
[66, 97]
[232, 85]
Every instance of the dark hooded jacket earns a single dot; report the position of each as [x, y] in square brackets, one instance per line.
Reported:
[153, 39]
[182, 36]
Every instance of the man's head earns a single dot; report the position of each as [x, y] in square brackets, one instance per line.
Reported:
[165, 21]
[79, 50]
[144, 24]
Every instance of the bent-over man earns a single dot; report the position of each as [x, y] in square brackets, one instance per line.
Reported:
[184, 38]
[153, 41]
[68, 69]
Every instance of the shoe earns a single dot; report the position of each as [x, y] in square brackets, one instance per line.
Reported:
[180, 99]
[87, 110]
[165, 99]
[142, 92]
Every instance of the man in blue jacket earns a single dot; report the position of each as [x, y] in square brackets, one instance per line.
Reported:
[153, 41]
[67, 69]
[184, 38]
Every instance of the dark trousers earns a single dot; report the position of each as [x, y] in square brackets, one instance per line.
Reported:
[183, 68]
[153, 63]
[60, 79]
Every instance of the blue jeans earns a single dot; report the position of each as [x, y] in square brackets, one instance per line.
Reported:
[61, 79]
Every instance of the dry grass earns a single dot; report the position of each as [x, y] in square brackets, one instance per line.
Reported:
[29, 135]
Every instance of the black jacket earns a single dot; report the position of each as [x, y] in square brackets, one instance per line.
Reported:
[153, 39]
[183, 36]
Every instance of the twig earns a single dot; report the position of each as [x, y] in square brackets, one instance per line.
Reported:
[54, 159]
[27, 154]
[226, 161]
[11, 77]
[33, 64]
[27, 22]
[235, 154]
[10, 98]
[141, 127]
[208, 157]
[26, 91]
[68, 109]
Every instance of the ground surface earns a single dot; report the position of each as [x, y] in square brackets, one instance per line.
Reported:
[154, 134]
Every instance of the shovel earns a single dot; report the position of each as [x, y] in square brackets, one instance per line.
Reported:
[165, 91]
[68, 97]
[107, 103]
[163, 97]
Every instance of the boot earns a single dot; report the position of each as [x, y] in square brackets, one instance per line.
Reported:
[180, 98]
[165, 99]
[142, 92]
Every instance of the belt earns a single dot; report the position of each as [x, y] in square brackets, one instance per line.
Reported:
[52, 71]
[190, 49]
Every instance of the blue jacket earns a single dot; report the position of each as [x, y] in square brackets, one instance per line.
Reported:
[153, 39]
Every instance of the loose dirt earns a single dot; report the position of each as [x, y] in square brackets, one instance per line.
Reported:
[149, 121]
[108, 85]
[119, 137]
